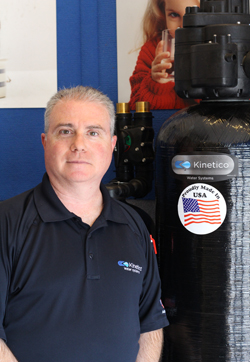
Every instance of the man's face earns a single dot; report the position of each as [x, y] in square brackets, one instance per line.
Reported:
[78, 146]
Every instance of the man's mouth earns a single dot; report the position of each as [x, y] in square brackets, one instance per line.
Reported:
[79, 162]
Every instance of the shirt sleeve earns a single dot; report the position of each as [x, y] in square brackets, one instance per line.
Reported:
[152, 312]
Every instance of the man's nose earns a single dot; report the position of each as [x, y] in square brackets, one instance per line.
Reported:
[78, 144]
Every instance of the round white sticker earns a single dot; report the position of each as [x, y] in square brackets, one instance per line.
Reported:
[201, 208]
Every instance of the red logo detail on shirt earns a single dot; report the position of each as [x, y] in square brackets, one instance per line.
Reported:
[154, 243]
[163, 312]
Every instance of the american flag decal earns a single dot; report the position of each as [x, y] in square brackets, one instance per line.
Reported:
[198, 211]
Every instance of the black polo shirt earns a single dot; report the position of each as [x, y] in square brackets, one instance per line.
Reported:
[70, 292]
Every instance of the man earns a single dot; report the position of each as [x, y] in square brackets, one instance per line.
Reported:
[78, 277]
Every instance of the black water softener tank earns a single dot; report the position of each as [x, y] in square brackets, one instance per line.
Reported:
[203, 190]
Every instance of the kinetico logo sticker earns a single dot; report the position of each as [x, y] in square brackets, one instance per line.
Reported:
[204, 167]
[130, 267]
[201, 208]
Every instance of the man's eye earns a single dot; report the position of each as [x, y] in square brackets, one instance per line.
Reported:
[64, 131]
[93, 133]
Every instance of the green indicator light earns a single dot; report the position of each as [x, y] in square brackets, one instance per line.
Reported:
[128, 141]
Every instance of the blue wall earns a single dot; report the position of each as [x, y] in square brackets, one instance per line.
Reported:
[86, 54]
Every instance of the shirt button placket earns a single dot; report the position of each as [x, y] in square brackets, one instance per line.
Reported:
[92, 262]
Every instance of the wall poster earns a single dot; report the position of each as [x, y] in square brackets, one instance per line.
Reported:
[145, 66]
[28, 64]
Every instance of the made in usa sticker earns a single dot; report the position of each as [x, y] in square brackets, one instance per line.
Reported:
[201, 208]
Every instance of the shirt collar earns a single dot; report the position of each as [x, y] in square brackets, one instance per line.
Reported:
[48, 205]
[51, 209]
[110, 210]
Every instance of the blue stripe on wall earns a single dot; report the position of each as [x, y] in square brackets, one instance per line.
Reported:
[98, 47]
[68, 43]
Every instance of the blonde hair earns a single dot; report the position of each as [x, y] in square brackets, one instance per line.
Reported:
[154, 20]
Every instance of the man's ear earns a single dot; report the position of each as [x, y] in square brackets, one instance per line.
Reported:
[114, 139]
[43, 139]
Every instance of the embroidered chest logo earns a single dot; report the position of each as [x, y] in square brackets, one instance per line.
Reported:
[130, 267]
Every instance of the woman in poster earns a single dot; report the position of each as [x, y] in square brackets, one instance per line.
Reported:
[150, 80]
